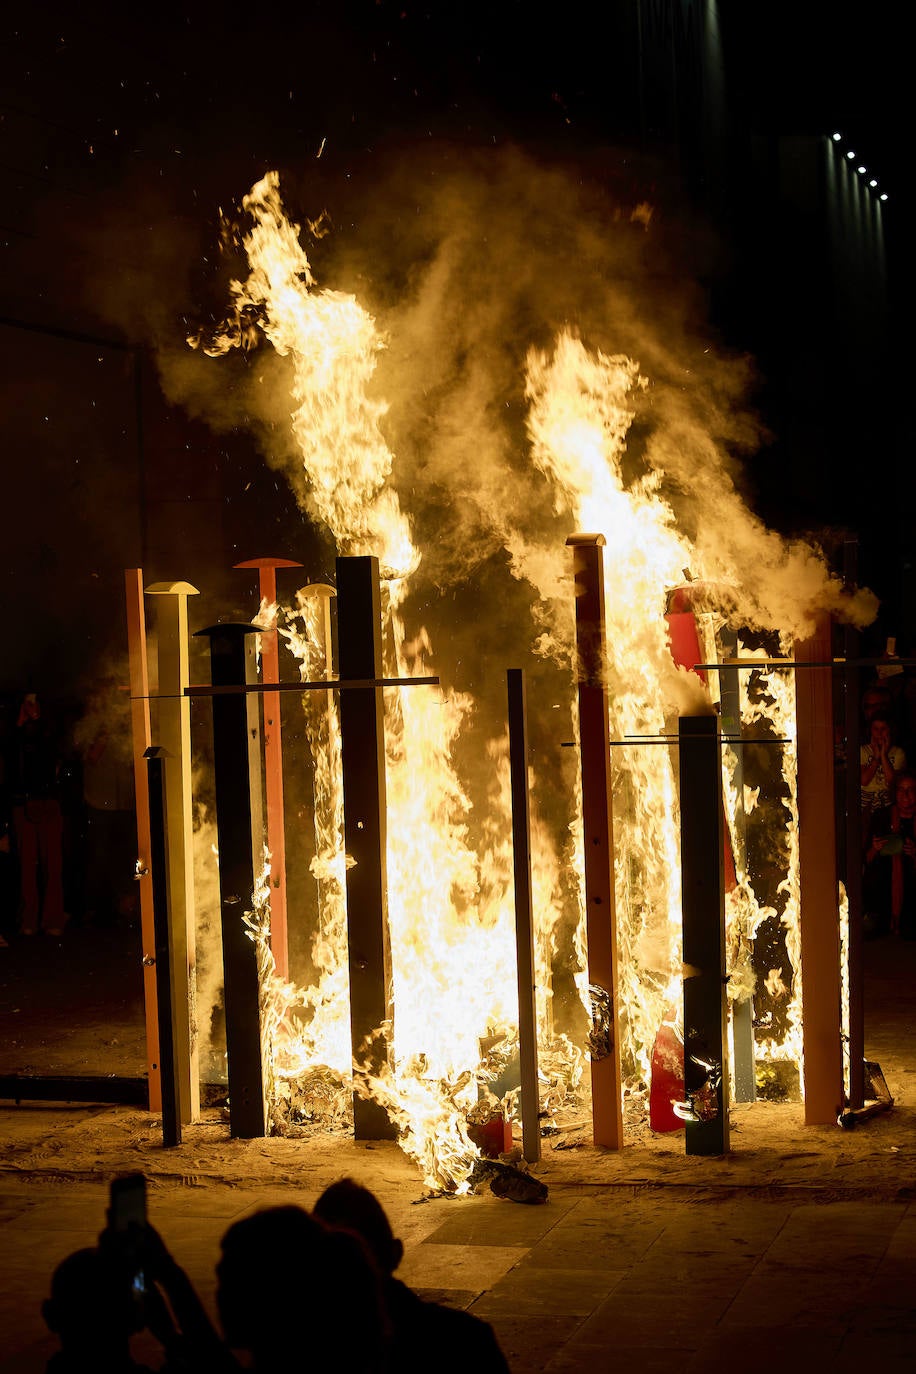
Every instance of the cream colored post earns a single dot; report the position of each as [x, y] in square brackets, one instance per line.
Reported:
[173, 733]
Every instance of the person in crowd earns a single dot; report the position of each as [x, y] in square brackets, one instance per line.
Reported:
[38, 820]
[101, 1297]
[889, 886]
[460, 1340]
[321, 1283]
[880, 759]
[94, 1312]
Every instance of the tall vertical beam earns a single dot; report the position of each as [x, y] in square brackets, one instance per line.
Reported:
[820, 935]
[524, 916]
[742, 1012]
[321, 726]
[240, 838]
[159, 856]
[273, 764]
[703, 915]
[853, 841]
[362, 728]
[173, 734]
[141, 739]
[598, 825]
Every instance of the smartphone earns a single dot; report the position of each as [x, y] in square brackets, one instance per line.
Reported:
[127, 1205]
[127, 1202]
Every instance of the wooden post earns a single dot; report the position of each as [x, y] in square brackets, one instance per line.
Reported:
[598, 825]
[159, 857]
[524, 933]
[820, 936]
[742, 1012]
[703, 915]
[240, 837]
[273, 764]
[362, 729]
[173, 734]
[141, 738]
[852, 706]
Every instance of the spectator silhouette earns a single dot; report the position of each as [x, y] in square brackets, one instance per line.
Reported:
[94, 1311]
[880, 759]
[423, 1334]
[286, 1281]
[38, 820]
[890, 866]
[102, 1297]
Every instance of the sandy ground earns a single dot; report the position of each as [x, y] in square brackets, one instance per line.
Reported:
[66, 1007]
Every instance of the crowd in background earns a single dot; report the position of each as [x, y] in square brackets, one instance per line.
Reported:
[887, 756]
[68, 839]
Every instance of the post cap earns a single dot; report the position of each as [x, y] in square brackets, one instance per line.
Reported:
[268, 563]
[171, 589]
[592, 540]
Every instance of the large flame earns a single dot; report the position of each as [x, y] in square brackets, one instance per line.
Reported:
[450, 872]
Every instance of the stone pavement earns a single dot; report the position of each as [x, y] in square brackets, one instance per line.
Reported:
[621, 1277]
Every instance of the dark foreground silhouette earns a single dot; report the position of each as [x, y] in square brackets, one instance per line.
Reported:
[424, 1335]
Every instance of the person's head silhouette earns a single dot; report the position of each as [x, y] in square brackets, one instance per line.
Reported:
[92, 1307]
[348, 1205]
[327, 1274]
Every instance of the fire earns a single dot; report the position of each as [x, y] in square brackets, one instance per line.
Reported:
[450, 872]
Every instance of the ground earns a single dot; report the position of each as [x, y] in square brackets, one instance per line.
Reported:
[804, 1233]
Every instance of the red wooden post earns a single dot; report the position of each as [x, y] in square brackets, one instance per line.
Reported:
[273, 764]
[598, 825]
[820, 927]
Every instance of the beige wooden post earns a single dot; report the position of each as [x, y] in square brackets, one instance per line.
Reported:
[140, 736]
[173, 733]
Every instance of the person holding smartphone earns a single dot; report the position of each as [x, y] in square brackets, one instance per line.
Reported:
[102, 1297]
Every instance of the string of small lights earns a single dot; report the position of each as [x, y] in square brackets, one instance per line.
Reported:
[837, 141]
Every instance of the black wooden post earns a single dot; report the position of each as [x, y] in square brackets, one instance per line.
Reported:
[524, 934]
[703, 915]
[240, 837]
[362, 730]
[159, 866]
[852, 848]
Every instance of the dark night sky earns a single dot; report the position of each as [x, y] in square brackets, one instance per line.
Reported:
[116, 86]
[182, 109]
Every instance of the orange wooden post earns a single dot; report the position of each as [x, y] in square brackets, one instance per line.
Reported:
[273, 764]
[598, 824]
[141, 738]
[820, 927]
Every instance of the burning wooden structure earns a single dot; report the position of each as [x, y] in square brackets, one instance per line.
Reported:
[237, 752]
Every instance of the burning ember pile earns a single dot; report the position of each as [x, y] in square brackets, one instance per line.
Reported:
[582, 439]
